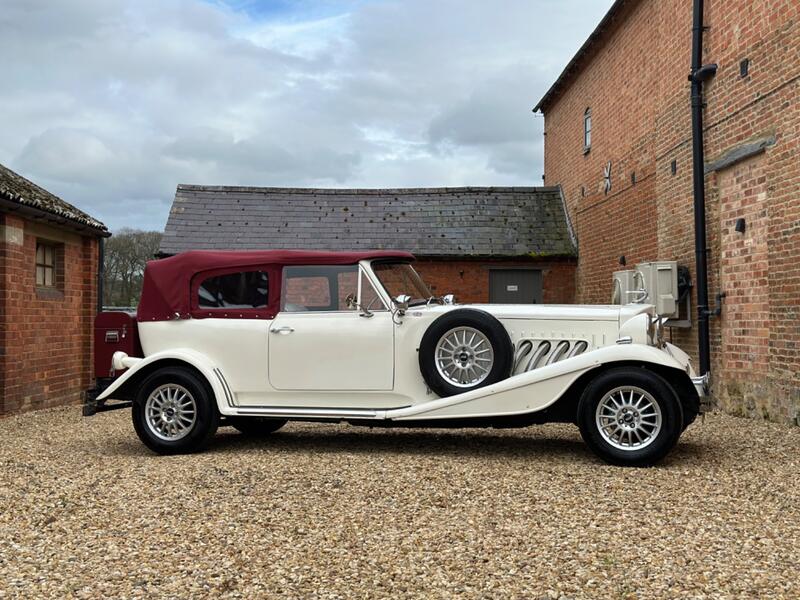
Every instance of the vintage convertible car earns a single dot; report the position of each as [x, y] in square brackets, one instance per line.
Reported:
[254, 339]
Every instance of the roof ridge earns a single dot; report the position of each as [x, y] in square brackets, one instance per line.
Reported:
[376, 191]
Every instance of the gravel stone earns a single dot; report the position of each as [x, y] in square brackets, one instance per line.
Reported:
[333, 511]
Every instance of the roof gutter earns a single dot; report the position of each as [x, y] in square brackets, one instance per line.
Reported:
[51, 218]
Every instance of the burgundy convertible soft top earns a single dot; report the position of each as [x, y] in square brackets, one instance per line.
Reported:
[167, 282]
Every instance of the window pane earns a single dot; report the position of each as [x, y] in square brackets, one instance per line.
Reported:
[39, 254]
[401, 278]
[348, 286]
[40, 276]
[587, 129]
[321, 288]
[48, 276]
[48, 256]
[369, 297]
[248, 289]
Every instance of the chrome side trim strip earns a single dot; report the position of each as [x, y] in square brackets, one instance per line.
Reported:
[225, 388]
[321, 413]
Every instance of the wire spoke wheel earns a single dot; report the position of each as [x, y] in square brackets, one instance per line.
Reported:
[629, 418]
[170, 412]
[464, 356]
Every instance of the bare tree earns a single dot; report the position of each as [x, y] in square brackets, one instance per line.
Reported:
[126, 253]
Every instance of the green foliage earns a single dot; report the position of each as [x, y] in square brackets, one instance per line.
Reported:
[126, 253]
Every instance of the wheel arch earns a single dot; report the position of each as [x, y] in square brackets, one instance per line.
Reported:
[565, 409]
[127, 385]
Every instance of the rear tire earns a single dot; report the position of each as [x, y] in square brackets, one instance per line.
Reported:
[256, 426]
[629, 416]
[173, 412]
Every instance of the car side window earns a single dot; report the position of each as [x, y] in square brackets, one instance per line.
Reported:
[319, 288]
[245, 289]
[370, 300]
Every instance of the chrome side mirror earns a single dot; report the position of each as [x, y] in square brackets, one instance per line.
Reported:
[352, 304]
[401, 303]
[449, 299]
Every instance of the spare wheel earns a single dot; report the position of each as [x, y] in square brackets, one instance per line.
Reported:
[464, 350]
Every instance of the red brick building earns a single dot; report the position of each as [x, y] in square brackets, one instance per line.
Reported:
[498, 244]
[623, 105]
[48, 296]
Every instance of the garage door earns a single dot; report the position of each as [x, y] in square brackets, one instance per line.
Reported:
[515, 286]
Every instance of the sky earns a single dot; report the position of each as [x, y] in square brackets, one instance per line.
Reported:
[110, 104]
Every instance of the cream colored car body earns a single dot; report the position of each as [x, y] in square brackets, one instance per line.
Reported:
[345, 365]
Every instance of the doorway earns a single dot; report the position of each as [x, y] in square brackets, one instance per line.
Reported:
[515, 286]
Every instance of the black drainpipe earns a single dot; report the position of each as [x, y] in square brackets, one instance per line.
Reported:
[101, 270]
[700, 73]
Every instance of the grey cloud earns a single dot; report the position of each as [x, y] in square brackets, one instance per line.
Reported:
[111, 103]
[259, 159]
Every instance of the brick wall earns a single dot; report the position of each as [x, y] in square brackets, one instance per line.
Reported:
[469, 279]
[45, 335]
[636, 85]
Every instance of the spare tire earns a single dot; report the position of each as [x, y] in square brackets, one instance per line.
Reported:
[464, 350]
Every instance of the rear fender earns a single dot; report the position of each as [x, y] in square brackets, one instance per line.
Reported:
[137, 369]
[541, 388]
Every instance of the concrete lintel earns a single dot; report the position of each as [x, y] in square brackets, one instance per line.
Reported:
[740, 153]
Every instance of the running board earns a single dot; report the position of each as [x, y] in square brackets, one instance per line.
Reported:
[311, 413]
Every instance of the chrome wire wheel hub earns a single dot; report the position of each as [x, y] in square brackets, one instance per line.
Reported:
[170, 412]
[464, 357]
[628, 418]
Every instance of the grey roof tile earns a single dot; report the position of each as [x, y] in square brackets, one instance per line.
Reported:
[16, 189]
[492, 221]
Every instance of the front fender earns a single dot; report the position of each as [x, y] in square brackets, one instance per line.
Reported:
[212, 374]
[538, 389]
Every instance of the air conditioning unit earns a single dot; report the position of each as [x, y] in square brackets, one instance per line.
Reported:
[623, 286]
[658, 284]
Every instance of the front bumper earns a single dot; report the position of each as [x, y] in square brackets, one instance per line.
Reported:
[702, 387]
[701, 383]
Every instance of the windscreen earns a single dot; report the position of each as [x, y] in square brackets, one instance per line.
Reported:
[401, 278]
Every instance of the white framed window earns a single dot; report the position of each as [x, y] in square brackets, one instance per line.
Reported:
[587, 130]
[46, 255]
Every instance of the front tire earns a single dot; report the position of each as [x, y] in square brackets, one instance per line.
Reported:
[629, 416]
[173, 412]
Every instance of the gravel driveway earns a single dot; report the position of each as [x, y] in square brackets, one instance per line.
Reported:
[328, 511]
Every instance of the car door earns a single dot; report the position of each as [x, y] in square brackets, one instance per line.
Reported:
[321, 341]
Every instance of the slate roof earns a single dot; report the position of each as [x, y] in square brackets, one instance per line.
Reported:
[18, 193]
[488, 221]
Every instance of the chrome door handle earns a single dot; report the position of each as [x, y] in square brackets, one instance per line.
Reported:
[284, 330]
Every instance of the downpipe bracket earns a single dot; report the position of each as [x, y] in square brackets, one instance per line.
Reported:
[717, 311]
[704, 73]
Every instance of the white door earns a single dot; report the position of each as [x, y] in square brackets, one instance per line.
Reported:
[321, 340]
